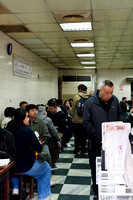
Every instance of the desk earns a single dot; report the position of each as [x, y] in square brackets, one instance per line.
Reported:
[4, 179]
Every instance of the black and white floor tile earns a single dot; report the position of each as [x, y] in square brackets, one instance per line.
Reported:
[73, 178]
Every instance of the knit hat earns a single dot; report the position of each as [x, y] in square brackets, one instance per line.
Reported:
[41, 109]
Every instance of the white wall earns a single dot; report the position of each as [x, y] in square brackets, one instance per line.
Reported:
[14, 89]
[118, 77]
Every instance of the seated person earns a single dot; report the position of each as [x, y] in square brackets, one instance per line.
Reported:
[53, 143]
[40, 129]
[125, 115]
[26, 163]
[8, 113]
[59, 120]
[7, 145]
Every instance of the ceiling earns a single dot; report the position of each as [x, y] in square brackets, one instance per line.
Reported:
[35, 24]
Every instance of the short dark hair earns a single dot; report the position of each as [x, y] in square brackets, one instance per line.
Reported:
[124, 98]
[31, 106]
[123, 106]
[106, 83]
[9, 112]
[52, 103]
[19, 115]
[59, 101]
[22, 102]
[82, 87]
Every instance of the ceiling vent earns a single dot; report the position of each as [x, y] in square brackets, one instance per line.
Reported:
[80, 40]
[82, 16]
[73, 18]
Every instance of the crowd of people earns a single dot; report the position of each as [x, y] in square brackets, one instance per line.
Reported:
[36, 134]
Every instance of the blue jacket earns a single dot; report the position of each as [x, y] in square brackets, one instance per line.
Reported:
[95, 114]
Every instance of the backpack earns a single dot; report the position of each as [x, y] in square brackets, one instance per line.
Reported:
[81, 105]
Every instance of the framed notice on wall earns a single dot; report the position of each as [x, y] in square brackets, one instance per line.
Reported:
[21, 67]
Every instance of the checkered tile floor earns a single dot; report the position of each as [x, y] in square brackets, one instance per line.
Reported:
[73, 178]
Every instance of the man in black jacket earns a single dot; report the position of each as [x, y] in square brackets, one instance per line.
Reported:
[59, 119]
[101, 107]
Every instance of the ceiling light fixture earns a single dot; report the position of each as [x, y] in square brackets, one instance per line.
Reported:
[80, 26]
[87, 44]
[86, 55]
[88, 62]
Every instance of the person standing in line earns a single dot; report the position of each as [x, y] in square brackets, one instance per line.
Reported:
[78, 128]
[103, 106]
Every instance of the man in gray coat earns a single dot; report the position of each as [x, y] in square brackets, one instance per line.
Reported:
[103, 106]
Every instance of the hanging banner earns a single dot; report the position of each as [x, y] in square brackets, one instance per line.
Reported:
[21, 67]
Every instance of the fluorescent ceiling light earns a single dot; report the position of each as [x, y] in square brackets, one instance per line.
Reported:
[81, 26]
[87, 67]
[86, 44]
[88, 62]
[86, 55]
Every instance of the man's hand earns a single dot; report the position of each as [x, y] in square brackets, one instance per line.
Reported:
[59, 145]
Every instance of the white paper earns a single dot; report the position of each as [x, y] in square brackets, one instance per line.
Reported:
[4, 162]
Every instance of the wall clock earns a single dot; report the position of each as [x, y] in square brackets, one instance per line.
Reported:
[9, 48]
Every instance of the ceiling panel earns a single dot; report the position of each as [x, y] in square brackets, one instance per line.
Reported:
[24, 6]
[22, 35]
[113, 4]
[36, 18]
[8, 19]
[63, 5]
[111, 15]
[35, 24]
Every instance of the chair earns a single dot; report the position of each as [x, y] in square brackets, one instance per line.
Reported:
[22, 187]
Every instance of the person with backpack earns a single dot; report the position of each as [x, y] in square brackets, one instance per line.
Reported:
[77, 114]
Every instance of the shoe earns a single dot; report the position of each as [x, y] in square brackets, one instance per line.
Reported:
[68, 145]
[95, 198]
[95, 189]
[52, 184]
[54, 167]
[83, 151]
[15, 191]
[75, 151]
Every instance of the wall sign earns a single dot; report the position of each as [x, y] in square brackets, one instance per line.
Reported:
[121, 87]
[21, 67]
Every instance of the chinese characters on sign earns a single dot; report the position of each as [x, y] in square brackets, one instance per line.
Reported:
[21, 67]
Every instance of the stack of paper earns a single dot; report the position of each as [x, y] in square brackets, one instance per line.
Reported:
[114, 144]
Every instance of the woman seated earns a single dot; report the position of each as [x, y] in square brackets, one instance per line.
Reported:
[26, 163]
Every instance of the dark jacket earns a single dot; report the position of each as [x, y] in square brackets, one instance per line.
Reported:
[7, 145]
[96, 112]
[126, 117]
[59, 120]
[26, 143]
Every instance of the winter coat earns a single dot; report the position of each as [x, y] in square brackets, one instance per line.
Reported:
[7, 145]
[76, 117]
[26, 143]
[95, 114]
[58, 119]
[52, 130]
